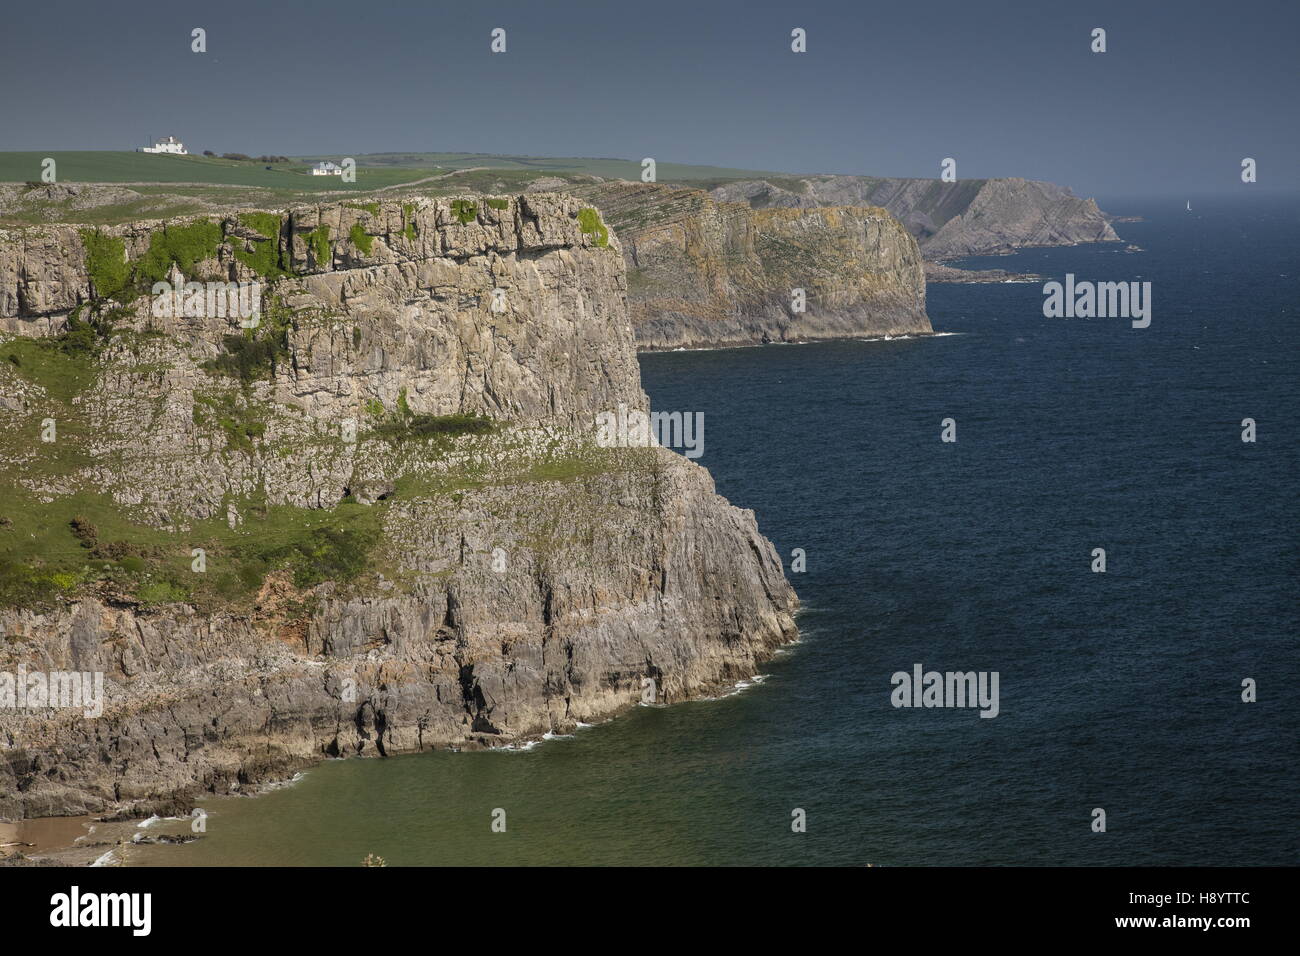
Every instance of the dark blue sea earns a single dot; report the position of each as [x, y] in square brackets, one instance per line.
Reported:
[1119, 690]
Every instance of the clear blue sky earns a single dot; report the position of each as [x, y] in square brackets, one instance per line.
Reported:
[1009, 89]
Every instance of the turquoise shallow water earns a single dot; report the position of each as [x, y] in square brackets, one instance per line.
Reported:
[1118, 691]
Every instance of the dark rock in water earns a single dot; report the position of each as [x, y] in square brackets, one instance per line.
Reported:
[167, 839]
[940, 272]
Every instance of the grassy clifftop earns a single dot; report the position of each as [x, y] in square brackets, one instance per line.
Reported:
[108, 166]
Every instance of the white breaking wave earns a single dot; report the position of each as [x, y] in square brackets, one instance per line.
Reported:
[740, 687]
[283, 784]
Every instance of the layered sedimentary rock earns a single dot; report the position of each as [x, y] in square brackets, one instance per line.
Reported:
[705, 273]
[949, 220]
[373, 520]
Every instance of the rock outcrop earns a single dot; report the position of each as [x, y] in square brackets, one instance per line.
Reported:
[374, 520]
[949, 220]
[940, 272]
[705, 273]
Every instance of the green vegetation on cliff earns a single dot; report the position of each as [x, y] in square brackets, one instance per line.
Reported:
[361, 239]
[112, 276]
[85, 541]
[54, 549]
[405, 423]
[62, 365]
[464, 210]
[427, 426]
[265, 257]
[256, 353]
[184, 245]
[318, 240]
[106, 263]
[239, 419]
[590, 224]
[265, 224]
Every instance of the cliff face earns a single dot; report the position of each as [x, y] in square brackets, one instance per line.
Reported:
[949, 220]
[708, 273]
[375, 522]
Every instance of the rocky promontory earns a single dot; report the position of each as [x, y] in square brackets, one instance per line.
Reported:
[949, 219]
[709, 273]
[373, 519]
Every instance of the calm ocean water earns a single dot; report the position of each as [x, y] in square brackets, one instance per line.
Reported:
[1118, 690]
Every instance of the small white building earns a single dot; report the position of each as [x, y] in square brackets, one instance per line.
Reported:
[168, 144]
[326, 169]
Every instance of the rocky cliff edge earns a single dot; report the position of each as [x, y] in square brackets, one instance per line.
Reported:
[372, 520]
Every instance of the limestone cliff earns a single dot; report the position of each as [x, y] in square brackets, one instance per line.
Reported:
[949, 220]
[707, 273]
[372, 520]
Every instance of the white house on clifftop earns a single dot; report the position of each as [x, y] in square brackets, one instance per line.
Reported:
[169, 144]
[326, 169]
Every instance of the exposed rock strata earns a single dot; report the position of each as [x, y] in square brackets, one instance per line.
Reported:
[949, 220]
[705, 273]
[524, 580]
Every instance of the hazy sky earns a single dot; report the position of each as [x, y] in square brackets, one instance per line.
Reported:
[1183, 93]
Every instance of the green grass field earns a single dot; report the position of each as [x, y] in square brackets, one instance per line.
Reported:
[165, 186]
[374, 170]
[666, 172]
[106, 166]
